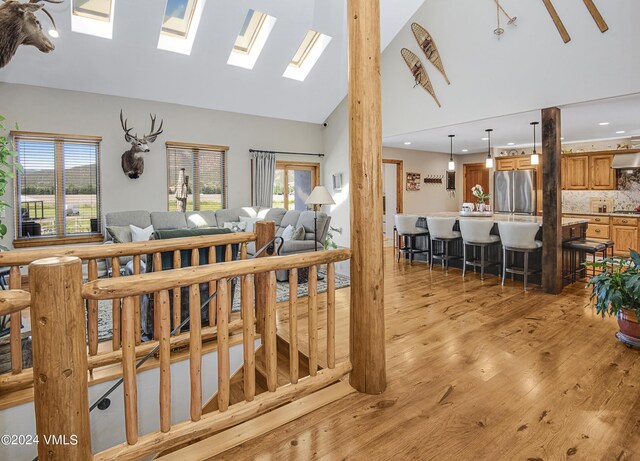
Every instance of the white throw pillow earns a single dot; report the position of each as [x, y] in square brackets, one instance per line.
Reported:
[235, 226]
[250, 223]
[140, 235]
[287, 233]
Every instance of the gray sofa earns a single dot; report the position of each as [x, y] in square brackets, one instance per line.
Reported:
[164, 220]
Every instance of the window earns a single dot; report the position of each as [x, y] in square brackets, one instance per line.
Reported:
[196, 177]
[309, 51]
[252, 37]
[93, 17]
[180, 24]
[58, 193]
[293, 184]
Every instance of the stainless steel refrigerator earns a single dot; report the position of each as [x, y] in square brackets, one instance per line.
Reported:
[514, 192]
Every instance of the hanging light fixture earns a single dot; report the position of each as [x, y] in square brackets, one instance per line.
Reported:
[452, 165]
[489, 161]
[535, 158]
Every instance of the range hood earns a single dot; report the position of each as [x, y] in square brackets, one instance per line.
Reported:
[626, 161]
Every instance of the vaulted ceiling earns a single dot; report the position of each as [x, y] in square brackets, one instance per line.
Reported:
[131, 65]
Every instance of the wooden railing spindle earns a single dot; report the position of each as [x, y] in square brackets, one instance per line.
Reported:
[136, 271]
[116, 307]
[213, 286]
[313, 320]
[92, 310]
[228, 254]
[157, 267]
[177, 293]
[15, 338]
[195, 352]
[248, 330]
[331, 315]
[293, 325]
[129, 370]
[270, 348]
[165, 361]
[243, 250]
[223, 346]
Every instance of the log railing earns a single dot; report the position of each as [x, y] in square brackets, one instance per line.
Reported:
[91, 256]
[158, 284]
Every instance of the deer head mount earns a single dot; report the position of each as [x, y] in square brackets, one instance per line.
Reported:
[133, 159]
[20, 26]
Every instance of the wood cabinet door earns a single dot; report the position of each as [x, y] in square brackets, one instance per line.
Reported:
[475, 173]
[505, 164]
[524, 163]
[602, 176]
[624, 237]
[563, 172]
[577, 168]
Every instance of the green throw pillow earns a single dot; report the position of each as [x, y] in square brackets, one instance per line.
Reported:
[299, 234]
[119, 234]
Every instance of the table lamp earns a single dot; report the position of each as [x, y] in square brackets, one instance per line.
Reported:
[319, 196]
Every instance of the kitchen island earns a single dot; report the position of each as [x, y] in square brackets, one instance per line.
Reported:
[573, 228]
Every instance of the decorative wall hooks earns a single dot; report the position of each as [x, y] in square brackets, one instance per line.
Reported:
[433, 179]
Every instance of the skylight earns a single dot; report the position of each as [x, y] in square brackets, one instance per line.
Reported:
[93, 17]
[180, 24]
[251, 39]
[309, 51]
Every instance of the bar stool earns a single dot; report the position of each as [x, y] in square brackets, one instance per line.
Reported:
[441, 230]
[578, 248]
[408, 231]
[476, 233]
[518, 237]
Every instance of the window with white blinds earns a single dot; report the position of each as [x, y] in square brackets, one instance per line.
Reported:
[196, 177]
[58, 192]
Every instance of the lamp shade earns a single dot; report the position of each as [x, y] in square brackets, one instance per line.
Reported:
[320, 196]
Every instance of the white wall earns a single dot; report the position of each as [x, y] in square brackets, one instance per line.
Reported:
[60, 111]
[527, 69]
[430, 197]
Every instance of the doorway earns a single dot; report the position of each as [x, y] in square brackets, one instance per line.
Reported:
[392, 200]
[293, 183]
[474, 173]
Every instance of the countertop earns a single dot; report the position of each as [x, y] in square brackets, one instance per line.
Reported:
[593, 213]
[504, 218]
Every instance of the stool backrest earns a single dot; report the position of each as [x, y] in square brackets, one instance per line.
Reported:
[440, 227]
[518, 234]
[476, 230]
[406, 224]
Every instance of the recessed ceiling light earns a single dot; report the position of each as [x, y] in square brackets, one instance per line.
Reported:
[511, 144]
[53, 33]
[465, 150]
[408, 143]
[561, 139]
[620, 132]
[603, 123]
[484, 139]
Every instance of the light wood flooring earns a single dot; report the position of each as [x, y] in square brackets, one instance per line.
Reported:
[475, 371]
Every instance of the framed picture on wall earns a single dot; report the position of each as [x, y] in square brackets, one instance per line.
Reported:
[337, 182]
[413, 181]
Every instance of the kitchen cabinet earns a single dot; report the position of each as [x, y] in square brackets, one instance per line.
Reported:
[624, 237]
[506, 164]
[515, 163]
[601, 175]
[577, 172]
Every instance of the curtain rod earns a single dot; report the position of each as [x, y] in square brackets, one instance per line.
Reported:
[285, 153]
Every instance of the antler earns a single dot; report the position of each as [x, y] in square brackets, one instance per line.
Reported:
[44, 10]
[127, 136]
[152, 136]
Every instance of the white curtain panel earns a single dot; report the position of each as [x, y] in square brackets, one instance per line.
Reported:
[264, 171]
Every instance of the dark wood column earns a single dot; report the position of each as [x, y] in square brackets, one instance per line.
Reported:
[366, 341]
[551, 201]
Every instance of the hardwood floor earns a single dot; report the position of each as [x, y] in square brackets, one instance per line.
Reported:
[475, 371]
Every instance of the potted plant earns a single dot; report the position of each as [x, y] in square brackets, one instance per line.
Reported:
[328, 240]
[8, 156]
[478, 193]
[616, 292]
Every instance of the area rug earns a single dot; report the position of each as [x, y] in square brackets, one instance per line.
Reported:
[282, 294]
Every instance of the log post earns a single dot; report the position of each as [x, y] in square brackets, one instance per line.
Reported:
[551, 201]
[366, 341]
[59, 358]
[266, 231]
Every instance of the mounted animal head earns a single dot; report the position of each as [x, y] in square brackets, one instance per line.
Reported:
[20, 26]
[133, 160]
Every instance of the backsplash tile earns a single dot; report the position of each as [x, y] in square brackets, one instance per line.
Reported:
[627, 197]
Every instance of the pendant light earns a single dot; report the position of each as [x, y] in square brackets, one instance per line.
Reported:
[535, 158]
[452, 165]
[489, 161]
